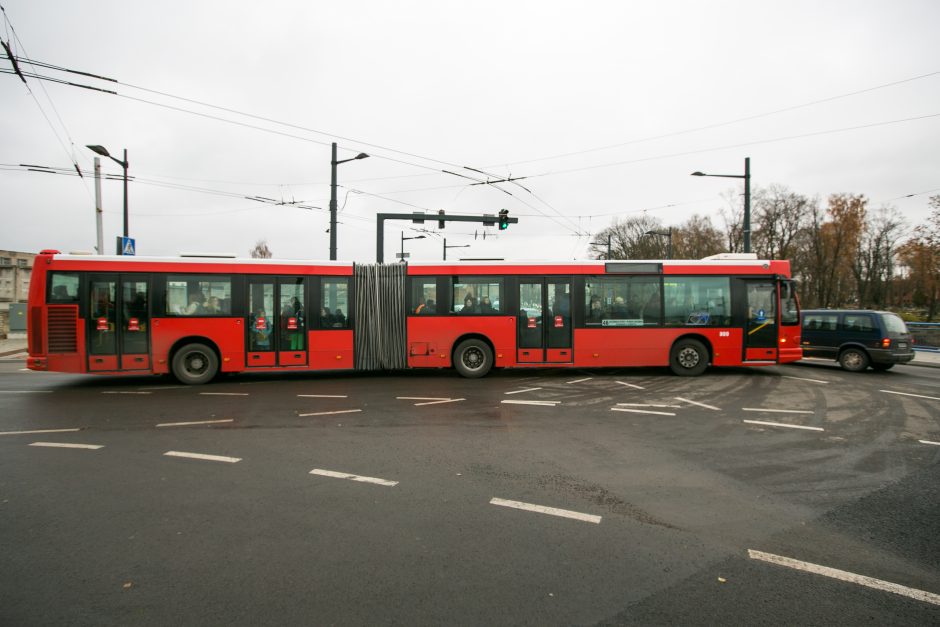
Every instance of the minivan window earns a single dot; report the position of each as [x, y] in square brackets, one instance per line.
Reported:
[894, 324]
[859, 323]
[821, 322]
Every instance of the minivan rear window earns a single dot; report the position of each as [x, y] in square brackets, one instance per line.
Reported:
[894, 324]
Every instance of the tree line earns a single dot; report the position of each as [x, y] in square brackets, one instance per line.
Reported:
[844, 252]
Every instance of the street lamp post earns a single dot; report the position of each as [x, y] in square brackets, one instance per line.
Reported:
[333, 164]
[667, 234]
[403, 238]
[747, 198]
[101, 150]
[452, 246]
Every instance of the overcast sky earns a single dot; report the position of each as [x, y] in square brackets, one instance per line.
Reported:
[606, 107]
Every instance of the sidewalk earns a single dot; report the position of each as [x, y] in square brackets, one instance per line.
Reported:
[12, 346]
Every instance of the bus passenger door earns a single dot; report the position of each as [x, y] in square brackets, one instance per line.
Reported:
[118, 322]
[276, 324]
[544, 321]
[760, 330]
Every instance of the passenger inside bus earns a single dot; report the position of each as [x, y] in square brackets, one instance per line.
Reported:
[195, 307]
[260, 332]
[486, 307]
[339, 320]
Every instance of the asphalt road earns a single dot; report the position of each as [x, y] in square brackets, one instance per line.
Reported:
[679, 498]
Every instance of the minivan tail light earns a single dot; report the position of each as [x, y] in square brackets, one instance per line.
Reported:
[886, 342]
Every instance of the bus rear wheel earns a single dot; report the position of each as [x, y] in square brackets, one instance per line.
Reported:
[195, 364]
[473, 358]
[688, 358]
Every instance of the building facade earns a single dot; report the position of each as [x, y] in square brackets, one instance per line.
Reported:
[15, 270]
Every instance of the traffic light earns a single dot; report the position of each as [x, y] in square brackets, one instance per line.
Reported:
[441, 222]
[503, 219]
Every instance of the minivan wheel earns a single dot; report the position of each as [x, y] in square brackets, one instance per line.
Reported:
[854, 359]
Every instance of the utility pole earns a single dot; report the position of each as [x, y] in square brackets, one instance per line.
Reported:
[452, 246]
[98, 210]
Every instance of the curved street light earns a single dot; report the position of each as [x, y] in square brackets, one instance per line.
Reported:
[747, 198]
[333, 164]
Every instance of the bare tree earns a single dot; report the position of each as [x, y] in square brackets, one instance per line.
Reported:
[628, 239]
[261, 250]
[697, 238]
[874, 262]
[733, 216]
[921, 256]
[780, 216]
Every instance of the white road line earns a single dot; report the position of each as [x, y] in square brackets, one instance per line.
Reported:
[165, 387]
[580, 380]
[643, 411]
[842, 575]
[685, 400]
[932, 398]
[68, 445]
[541, 509]
[196, 422]
[38, 431]
[322, 396]
[25, 391]
[223, 394]
[541, 403]
[421, 398]
[777, 411]
[449, 400]
[330, 413]
[211, 458]
[646, 405]
[630, 385]
[123, 392]
[804, 379]
[359, 478]
[521, 391]
[921, 441]
[780, 424]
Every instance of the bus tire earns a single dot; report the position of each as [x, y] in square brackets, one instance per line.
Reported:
[853, 359]
[473, 358]
[688, 358]
[195, 364]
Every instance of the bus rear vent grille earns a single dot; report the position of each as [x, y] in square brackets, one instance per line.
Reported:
[62, 325]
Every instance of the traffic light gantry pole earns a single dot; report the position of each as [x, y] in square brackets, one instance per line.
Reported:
[503, 219]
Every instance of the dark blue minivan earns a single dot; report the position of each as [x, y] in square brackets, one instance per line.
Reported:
[856, 338]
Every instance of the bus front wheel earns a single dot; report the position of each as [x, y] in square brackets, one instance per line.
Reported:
[195, 364]
[688, 358]
[473, 358]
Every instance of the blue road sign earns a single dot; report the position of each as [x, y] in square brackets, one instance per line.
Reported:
[128, 246]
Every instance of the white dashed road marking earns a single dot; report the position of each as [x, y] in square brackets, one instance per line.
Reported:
[862, 580]
[92, 447]
[322, 396]
[123, 392]
[630, 385]
[521, 391]
[643, 411]
[196, 422]
[646, 405]
[803, 379]
[210, 458]
[932, 398]
[38, 431]
[25, 391]
[223, 393]
[541, 509]
[422, 398]
[779, 424]
[580, 380]
[359, 478]
[777, 411]
[449, 400]
[330, 413]
[539, 403]
[921, 441]
[685, 400]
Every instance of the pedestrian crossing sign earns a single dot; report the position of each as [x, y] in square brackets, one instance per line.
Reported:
[127, 246]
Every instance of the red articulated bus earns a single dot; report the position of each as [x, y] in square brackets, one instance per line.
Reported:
[198, 317]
